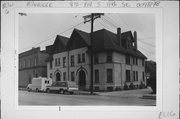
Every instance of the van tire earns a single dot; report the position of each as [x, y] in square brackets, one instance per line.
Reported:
[71, 92]
[48, 90]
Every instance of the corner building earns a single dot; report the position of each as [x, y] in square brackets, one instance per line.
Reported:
[32, 64]
[117, 61]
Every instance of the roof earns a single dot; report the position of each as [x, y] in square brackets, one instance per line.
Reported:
[103, 40]
[59, 45]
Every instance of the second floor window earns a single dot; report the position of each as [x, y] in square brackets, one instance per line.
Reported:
[59, 62]
[72, 60]
[56, 62]
[109, 57]
[136, 61]
[50, 65]
[83, 57]
[96, 59]
[64, 61]
[142, 62]
[79, 58]
[127, 59]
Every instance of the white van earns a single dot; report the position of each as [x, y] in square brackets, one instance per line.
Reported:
[39, 84]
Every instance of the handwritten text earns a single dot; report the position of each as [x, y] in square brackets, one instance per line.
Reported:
[38, 4]
[166, 115]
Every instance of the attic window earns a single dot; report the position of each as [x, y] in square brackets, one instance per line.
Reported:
[109, 57]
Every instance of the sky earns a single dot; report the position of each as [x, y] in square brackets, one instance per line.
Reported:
[40, 29]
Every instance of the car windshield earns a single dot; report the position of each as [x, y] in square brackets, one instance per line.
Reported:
[54, 84]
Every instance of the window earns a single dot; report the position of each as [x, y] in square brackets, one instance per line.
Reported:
[24, 63]
[127, 59]
[136, 75]
[96, 76]
[83, 57]
[109, 56]
[72, 76]
[142, 62]
[128, 75]
[50, 65]
[64, 76]
[79, 58]
[50, 75]
[96, 59]
[72, 60]
[35, 61]
[143, 76]
[56, 62]
[96, 88]
[64, 61]
[29, 63]
[109, 88]
[19, 64]
[59, 62]
[136, 61]
[109, 76]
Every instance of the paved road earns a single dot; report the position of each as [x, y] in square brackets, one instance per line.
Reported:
[33, 98]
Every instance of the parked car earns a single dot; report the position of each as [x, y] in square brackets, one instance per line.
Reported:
[39, 84]
[62, 87]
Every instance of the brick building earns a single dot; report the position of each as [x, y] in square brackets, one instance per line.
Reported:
[117, 61]
[31, 64]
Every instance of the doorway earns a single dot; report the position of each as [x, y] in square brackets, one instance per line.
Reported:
[82, 80]
[58, 76]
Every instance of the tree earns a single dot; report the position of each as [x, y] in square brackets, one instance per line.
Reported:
[150, 67]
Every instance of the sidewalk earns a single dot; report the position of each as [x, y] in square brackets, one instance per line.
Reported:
[127, 93]
[138, 93]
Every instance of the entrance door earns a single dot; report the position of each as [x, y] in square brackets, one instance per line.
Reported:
[82, 80]
[58, 76]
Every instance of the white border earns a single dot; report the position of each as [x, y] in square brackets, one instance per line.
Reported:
[158, 27]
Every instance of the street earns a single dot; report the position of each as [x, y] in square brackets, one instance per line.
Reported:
[118, 98]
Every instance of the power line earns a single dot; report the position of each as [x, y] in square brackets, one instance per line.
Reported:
[103, 24]
[52, 36]
[103, 18]
[147, 44]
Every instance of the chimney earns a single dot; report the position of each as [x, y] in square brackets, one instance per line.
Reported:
[119, 36]
[135, 40]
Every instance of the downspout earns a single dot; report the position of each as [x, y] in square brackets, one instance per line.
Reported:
[121, 78]
[68, 63]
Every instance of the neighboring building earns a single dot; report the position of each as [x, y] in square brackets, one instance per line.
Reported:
[117, 61]
[32, 64]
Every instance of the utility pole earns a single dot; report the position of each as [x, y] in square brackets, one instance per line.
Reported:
[91, 18]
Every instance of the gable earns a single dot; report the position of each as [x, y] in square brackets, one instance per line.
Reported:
[76, 41]
[59, 44]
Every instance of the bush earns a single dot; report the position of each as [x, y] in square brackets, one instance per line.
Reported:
[142, 85]
[126, 87]
[131, 86]
[118, 88]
